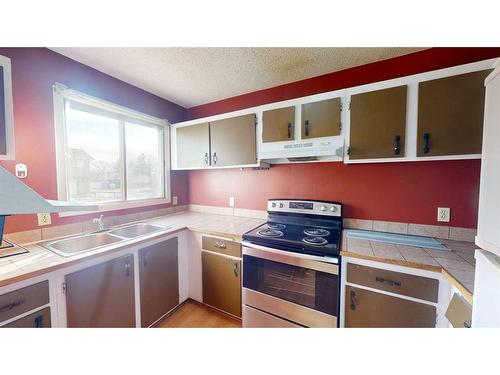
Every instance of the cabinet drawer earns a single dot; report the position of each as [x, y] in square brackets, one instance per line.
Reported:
[395, 282]
[218, 245]
[25, 299]
[39, 319]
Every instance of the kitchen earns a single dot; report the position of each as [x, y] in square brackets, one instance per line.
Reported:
[362, 196]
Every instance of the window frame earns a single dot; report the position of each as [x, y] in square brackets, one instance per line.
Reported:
[61, 95]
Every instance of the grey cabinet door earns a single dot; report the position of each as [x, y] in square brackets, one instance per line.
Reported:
[102, 295]
[450, 115]
[367, 309]
[233, 141]
[193, 146]
[159, 280]
[378, 123]
[321, 119]
[221, 282]
[278, 124]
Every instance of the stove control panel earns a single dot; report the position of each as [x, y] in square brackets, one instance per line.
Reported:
[305, 207]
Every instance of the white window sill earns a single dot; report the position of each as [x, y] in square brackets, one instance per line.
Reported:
[113, 206]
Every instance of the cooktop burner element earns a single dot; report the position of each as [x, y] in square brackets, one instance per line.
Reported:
[276, 226]
[316, 232]
[269, 232]
[316, 241]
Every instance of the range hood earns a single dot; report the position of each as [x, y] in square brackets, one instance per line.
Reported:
[303, 151]
[18, 198]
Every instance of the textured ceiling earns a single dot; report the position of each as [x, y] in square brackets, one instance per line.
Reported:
[194, 76]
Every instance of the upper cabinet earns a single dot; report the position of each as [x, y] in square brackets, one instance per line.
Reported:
[6, 112]
[450, 115]
[378, 123]
[232, 141]
[321, 119]
[193, 146]
[278, 124]
[229, 142]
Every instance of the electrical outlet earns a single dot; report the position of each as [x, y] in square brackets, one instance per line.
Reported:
[174, 200]
[231, 201]
[443, 214]
[43, 219]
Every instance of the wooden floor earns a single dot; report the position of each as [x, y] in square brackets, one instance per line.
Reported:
[194, 315]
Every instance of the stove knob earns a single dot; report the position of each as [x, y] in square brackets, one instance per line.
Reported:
[273, 205]
[333, 208]
[281, 205]
[323, 208]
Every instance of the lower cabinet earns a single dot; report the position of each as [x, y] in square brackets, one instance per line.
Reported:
[102, 295]
[221, 276]
[367, 309]
[159, 280]
[39, 319]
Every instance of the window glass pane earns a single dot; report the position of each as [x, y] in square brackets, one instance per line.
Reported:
[144, 155]
[94, 165]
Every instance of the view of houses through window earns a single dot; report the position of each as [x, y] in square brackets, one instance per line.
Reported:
[111, 158]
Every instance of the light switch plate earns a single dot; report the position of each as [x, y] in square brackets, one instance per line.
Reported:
[231, 201]
[443, 214]
[174, 200]
[44, 219]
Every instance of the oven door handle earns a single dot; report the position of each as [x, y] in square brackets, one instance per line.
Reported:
[312, 262]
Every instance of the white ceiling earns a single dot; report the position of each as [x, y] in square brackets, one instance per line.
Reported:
[194, 76]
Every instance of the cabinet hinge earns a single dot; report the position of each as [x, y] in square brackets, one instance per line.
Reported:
[349, 107]
[256, 121]
[348, 150]
[341, 106]
[340, 126]
[64, 288]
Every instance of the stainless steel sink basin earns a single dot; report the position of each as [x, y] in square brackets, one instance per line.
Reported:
[136, 230]
[76, 245]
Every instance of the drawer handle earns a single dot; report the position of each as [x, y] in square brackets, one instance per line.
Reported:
[127, 269]
[397, 145]
[289, 130]
[306, 128]
[467, 323]
[427, 146]
[220, 245]
[10, 306]
[39, 321]
[390, 282]
[353, 300]
[145, 260]
[235, 269]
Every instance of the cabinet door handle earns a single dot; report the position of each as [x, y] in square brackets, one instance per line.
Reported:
[306, 128]
[427, 141]
[390, 282]
[214, 158]
[206, 158]
[39, 321]
[127, 269]
[353, 300]
[145, 260]
[220, 245]
[397, 145]
[235, 269]
[289, 130]
[10, 306]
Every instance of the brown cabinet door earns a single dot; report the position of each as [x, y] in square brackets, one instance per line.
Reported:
[278, 124]
[450, 115]
[39, 319]
[159, 280]
[232, 141]
[193, 144]
[222, 282]
[321, 119]
[378, 123]
[367, 309]
[102, 295]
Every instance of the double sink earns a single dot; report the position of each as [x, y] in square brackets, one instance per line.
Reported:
[91, 241]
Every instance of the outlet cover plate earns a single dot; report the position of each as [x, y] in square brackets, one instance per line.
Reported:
[443, 214]
[44, 219]
[174, 200]
[231, 201]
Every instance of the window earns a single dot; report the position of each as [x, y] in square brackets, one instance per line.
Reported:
[108, 154]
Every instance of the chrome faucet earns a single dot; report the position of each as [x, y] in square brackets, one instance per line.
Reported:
[100, 223]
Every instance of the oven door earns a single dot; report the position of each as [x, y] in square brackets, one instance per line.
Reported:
[300, 288]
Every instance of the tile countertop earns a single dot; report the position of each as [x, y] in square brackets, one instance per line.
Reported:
[457, 264]
[40, 260]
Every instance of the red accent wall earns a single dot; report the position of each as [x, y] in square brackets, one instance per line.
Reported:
[34, 71]
[407, 192]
